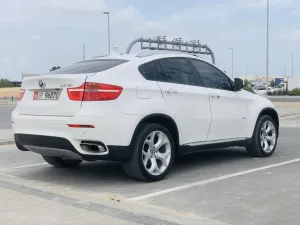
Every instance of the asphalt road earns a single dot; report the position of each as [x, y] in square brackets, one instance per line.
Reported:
[5, 116]
[218, 187]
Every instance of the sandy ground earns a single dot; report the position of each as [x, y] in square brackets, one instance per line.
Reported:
[288, 106]
[8, 92]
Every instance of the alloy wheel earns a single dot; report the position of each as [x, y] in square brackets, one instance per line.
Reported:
[156, 153]
[268, 136]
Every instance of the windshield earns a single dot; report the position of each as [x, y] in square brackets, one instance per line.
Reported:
[90, 66]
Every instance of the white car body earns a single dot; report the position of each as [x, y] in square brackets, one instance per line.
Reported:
[202, 116]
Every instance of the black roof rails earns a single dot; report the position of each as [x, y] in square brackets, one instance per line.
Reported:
[177, 44]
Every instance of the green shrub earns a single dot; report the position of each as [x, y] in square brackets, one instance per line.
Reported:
[280, 92]
[250, 89]
[5, 83]
[295, 92]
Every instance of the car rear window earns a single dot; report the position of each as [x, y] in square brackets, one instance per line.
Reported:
[90, 66]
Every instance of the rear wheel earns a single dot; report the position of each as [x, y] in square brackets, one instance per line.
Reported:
[62, 163]
[153, 152]
[264, 140]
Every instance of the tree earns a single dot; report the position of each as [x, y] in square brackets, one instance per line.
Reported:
[5, 83]
[247, 83]
[247, 86]
[55, 68]
[272, 83]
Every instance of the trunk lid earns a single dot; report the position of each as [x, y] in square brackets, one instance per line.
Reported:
[47, 95]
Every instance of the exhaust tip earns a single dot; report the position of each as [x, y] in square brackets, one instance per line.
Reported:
[93, 147]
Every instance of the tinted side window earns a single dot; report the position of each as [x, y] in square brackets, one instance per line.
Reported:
[176, 71]
[90, 66]
[148, 70]
[212, 78]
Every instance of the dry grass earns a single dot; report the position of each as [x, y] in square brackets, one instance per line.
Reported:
[9, 92]
[287, 104]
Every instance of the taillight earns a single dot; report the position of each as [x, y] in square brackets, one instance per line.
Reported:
[94, 92]
[22, 92]
[76, 94]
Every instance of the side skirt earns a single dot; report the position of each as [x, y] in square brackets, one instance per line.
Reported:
[186, 149]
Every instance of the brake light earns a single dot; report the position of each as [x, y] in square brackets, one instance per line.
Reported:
[22, 92]
[94, 92]
[76, 94]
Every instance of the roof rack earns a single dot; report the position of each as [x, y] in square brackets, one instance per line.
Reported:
[177, 44]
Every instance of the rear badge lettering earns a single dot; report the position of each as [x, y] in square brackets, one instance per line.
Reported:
[66, 85]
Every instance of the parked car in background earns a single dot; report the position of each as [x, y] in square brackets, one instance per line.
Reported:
[263, 90]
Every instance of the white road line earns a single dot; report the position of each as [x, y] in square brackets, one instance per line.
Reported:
[20, 167]
[212, 180]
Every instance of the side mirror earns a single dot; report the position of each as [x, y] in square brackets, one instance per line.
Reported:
[239, 84]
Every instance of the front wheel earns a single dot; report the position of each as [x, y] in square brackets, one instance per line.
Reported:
[153, 152]
[264, 139]
[61, 163]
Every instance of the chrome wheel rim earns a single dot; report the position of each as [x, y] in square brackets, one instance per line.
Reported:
[268, 136]
[156, 153]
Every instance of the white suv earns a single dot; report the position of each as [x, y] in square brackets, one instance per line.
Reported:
[142, 110]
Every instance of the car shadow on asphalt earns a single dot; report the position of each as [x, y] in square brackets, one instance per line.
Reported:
[111, 173]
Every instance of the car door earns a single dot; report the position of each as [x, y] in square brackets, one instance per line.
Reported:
[228, 107]
[186, 98]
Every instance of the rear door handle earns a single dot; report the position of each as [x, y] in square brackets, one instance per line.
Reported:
[214, 95]
[171, 91]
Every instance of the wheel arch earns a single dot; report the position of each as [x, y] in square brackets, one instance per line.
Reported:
[270, 112]
[161, 119]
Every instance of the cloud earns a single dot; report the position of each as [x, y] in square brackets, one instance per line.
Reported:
[263, 3]
[37, 36]
[295, 35]
[22, 61]
[69, 5]
[294, 13]
[138, 23]
[4, 59]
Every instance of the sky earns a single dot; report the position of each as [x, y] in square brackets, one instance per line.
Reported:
[38, 34]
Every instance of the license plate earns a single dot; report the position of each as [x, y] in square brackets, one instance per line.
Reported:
[46, 95]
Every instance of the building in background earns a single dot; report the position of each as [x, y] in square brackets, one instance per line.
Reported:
[16, 83]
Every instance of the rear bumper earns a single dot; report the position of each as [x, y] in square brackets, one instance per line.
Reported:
[61, 147]
[51, 135]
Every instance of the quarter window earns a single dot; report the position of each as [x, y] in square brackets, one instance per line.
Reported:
[148, 70]
[212, 77]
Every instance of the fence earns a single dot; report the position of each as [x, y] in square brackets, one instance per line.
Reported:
[9, 99]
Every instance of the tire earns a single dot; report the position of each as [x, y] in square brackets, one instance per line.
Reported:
[62, 163]
[256, 148]
[142, 151]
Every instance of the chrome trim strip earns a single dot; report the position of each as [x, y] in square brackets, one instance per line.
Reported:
[214, 141]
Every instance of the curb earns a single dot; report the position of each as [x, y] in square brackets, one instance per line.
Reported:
[7, 142]
[8, 103]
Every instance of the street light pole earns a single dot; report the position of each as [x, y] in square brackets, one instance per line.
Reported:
[231, 62]
[108, 30]
[292, 65]
[83, 52]
[267, 61]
